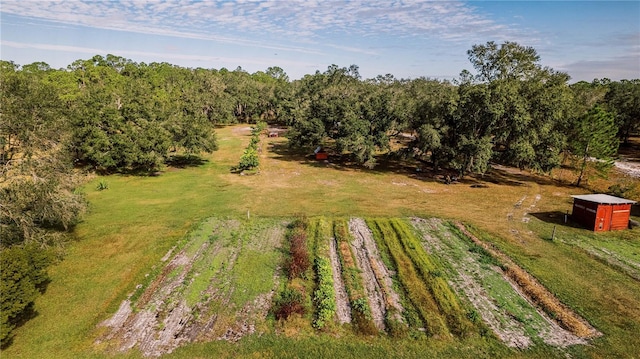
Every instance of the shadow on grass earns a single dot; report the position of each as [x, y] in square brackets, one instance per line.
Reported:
[185, 161]
[174, 161]
[28, 314]
[388, 163]
[557, 218]
[413, 168]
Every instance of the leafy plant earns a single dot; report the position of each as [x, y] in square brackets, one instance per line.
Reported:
[289, 302]
[102, 185]
[249, 160]
[324, 296]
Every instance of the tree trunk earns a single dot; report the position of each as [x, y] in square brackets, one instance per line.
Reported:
[584, 165]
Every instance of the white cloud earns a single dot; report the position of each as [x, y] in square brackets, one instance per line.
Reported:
[615, 68]
[167, 56]
[291, 21]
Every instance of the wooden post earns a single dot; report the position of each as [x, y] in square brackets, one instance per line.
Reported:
[553, 234]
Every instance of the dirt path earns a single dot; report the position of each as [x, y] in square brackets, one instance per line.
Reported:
[630, 168]
[369, 262]
[343, 311]
[372, 287]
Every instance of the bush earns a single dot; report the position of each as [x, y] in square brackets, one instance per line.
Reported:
[289, 302]
[22, 278]
[299, 261]
[249, 160]
[258, 128]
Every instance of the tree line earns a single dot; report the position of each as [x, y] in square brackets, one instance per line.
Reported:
[111, 114]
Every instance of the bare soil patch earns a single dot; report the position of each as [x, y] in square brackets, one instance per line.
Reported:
[577, 328]
[343, 310]
[162, 318]
[508, 308]
[371, 285]
[363, 238]
[470, 275]
[630, 168]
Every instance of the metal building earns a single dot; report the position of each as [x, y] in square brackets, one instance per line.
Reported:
[601, 212]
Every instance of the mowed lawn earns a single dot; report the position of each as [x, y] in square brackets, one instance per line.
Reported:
[131, 225]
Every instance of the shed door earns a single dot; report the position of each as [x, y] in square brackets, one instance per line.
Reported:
[603, 218]
[620, 216]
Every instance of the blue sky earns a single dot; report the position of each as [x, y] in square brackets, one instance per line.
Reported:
[407, 38]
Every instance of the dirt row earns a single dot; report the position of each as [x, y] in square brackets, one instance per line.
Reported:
[529, 289]
[161, 320]
[472, 279]
[343, 310]
[469, 271]
[376, 275]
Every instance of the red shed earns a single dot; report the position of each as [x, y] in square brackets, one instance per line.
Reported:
[320, 154]
[601, 212]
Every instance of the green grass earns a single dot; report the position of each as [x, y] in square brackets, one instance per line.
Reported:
[432, 275]
[137, 220]
[415, 288]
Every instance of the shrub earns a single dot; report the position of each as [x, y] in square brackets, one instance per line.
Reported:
[258, 128]
[22, 277]
[299, 261]
[249, 160]
[289, 302]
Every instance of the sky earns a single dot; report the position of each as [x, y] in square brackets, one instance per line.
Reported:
[405, 38]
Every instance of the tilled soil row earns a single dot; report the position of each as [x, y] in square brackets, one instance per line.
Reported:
[372, 287]
[375, 269]
[343, 310]
[538, 295]
[509, 330]
[164, 321]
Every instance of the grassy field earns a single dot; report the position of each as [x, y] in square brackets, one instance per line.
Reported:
[135, 222]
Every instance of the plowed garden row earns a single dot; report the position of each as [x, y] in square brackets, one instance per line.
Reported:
[415, 277]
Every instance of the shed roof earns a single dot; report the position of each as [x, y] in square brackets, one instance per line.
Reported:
[603, 198]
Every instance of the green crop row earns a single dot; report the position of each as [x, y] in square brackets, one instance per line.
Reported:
[324, 296]
[414, 287]
[447, 301]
